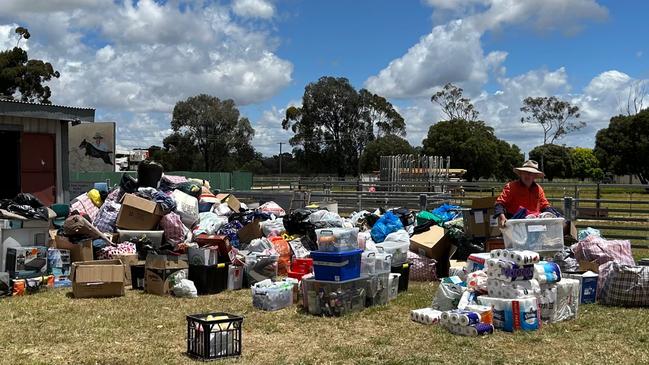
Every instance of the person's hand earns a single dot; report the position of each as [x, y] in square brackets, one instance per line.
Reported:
[502, 220]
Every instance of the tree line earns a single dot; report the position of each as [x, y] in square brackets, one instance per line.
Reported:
[343, 131]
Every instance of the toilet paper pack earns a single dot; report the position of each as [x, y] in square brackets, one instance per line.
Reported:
[514, 314]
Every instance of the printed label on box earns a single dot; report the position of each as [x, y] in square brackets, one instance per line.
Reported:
[539, 228]
[479, 217]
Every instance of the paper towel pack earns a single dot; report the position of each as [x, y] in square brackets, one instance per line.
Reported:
[560, 301]
[514, 314]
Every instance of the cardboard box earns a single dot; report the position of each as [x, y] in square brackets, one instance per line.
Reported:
[480, 222]
[250, 232]
[587, 285]
[434, 243]
[231, 200]
[127, 260]
[157, 270]
[26, 262]
[138, 213]
[79, 252]
[98, 279]
[588, 266]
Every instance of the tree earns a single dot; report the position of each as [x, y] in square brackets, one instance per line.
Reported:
[179, 153]
[453, 105]
[634, 99]
[623, 146]
[383, 146]
[19, 74]
[556, 117]
[335, 123]
[215, 128]
[509, 156]
[471, 145]
[553, 160]
[584, 163]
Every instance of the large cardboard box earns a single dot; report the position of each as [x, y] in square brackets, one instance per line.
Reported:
[138, 213]
[127, 260]
[98, 279]
[157, 270]
[480, 222]
[231, 200]
[81, 251]
[433, 243]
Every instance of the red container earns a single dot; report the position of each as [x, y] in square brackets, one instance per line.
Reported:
[222, 242]
[302, 266]
[295, 275]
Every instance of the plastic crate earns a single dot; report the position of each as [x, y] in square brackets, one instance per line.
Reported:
[383, 262]
[336, 266]
[214, 335]
[337, 239]
[209, 279]
[302, 266]
[377, 289]
[404, 270]
[540, 235]
[368, 263]
[272, 296]
[329, 298]
[137, 277]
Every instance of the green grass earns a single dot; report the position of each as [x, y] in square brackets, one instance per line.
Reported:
[52, 328]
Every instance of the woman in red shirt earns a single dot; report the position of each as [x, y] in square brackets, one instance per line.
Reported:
[522, 193]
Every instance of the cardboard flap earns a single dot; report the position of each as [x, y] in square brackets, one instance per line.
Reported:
[163, 262]
[483, 203]
[103, 271]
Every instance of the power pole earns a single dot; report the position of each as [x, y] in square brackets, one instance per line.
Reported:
[280, 158]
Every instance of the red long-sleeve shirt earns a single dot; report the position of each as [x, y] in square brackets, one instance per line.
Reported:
[516, 195]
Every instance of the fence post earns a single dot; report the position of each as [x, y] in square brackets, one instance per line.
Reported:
[567, 208]
[423, 202]
[598, 196]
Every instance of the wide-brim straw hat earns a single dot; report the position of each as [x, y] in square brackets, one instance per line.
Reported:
[530, 166]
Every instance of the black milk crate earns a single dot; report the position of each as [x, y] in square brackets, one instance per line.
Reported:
[214, 336]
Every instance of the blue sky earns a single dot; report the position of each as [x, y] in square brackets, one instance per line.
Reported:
[133, 60]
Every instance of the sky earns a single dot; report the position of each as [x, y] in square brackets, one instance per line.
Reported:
[133, 60]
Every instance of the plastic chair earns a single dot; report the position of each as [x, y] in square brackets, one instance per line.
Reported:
[62, 211]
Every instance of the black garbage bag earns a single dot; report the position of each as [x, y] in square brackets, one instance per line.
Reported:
[28, 199]
[297, 222]
[29, 212]
[149, 174]
[128, 184]
[406, 217]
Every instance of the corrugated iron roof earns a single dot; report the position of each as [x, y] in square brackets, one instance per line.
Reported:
[40, 104]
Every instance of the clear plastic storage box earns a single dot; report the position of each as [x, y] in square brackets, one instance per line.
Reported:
[334, 298]
[337, 239]
[271, 296]
[540, 235]
[398, 250]
[378, 289]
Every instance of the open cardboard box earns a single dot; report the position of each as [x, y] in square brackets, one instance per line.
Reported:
[231, 200]
[157, 270]
[138, 214]
[434, 244]
[97, 279]
[79, 252]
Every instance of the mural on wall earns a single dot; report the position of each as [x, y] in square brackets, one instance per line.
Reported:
[92, 147]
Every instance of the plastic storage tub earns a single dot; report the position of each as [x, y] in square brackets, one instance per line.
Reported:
[540, 235]
[368, 263]
[398, 250]
[377, 289]
[337, 239]
[334, 298]
[209, 279]
[383, 262]
[272, 296]
[337, 266]
[393, 286]
[404, 270]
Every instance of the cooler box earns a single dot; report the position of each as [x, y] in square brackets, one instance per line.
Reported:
[336, 266]
[540, 235]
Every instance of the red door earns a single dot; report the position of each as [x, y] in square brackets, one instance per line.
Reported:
[38, 166]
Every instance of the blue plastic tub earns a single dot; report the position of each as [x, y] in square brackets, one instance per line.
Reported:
[336, 266]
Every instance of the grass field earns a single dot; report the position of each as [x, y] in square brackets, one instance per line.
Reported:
[52, 328]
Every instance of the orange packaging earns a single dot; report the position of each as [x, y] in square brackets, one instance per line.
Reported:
[18, 288]
[283, 249]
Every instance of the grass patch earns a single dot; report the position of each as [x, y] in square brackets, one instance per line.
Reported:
[52, 328]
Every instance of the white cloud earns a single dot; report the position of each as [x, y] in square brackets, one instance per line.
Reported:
[452, 52]
[269, 131]
[126, 57]
[253, 8]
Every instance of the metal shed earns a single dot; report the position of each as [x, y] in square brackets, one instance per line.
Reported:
[34, 148]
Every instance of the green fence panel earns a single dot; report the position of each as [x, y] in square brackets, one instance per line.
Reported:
[241, 180]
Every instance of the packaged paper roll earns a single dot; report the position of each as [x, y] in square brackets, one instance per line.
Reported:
[484, 312]
[547, 272]
[508, 271]
[425, 316]
[468, 318]
[513, 314]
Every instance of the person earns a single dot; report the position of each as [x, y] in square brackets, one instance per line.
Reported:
[99, 143]
[522, 193]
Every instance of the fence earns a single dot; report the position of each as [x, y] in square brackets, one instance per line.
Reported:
[620, 211]
[237, 180]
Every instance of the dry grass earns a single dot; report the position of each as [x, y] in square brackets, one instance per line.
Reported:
[52, 328]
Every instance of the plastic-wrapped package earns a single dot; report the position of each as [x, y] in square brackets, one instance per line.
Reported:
[271, 296]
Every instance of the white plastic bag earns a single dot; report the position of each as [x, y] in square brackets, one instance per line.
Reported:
[272, 227]
[448, 296]
[209, 223]
[185, 289]
[186, 207]
[272, 208]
